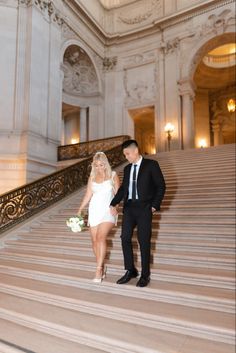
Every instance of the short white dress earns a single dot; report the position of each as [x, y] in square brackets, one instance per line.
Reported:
[99, 205]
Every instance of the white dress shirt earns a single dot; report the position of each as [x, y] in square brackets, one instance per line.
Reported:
[131, 177]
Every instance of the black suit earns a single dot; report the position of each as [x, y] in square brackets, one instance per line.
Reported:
[151, 190]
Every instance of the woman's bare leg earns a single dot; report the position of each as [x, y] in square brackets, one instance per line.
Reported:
[93, 233]
[103, 230]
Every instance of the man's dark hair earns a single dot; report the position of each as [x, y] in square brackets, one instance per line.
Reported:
[129, 143]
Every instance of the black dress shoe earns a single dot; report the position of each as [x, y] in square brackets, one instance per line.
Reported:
[143, 282]
[127, 276]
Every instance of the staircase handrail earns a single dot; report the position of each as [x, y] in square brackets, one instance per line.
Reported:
[85, 149]
[23, 202]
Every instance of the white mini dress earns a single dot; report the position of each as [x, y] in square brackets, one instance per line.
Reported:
[99, 205]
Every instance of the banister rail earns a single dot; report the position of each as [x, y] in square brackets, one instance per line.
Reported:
[23, 202]
[85, 149]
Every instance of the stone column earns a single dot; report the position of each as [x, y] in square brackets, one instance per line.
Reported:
[83, 125]
[216, 134]
[186, 90]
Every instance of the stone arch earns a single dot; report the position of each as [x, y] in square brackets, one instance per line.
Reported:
[87, 53]
[81, 91]
[218, 29]
[204, 47]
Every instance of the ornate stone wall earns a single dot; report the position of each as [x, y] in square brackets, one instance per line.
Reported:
[104, 63]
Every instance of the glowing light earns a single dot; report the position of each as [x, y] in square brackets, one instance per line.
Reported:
[202, 143]
[74, 141]
[231, 105]
[169, 127]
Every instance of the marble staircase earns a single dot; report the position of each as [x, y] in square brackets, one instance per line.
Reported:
[48, 303]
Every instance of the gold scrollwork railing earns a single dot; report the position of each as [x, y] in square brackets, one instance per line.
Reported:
[23, 202]
[85, 149]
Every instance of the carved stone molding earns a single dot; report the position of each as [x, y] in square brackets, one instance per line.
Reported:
[79, 73]
[47, 7]
[216, 24]
[138, 92]
[68, 32]
[170, 46]
[109, 63]
[139, 59]
[140, 15]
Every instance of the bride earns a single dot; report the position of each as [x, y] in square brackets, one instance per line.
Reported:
[102, 185]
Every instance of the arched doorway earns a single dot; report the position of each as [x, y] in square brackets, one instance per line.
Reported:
[80, 86]
[214, 81]
[144, 128]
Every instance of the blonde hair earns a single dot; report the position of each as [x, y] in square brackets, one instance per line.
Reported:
[101, 157]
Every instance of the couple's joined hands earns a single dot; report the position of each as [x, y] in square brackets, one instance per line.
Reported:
[113, 211]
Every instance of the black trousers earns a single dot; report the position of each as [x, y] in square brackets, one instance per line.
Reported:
[137, 214]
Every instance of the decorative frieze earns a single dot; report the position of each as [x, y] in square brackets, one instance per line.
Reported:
[139, 59]
[47, 7]
[140, 14]
[216, 24]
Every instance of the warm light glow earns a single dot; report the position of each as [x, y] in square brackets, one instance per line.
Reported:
[73, 141]
[231, 106]
[202, 143]
[169, 127]
[225, 49]
[153, 150]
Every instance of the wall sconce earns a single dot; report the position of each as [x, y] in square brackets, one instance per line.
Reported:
[74, 141]
[169, 128]
[202, 143]
[231, 105]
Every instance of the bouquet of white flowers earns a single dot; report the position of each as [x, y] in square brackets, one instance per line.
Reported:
[76, 223]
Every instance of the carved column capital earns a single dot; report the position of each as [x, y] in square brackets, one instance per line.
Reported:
[109, 63]
[186, 87]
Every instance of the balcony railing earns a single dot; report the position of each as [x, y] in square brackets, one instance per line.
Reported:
[85, 149]
[220, 61]
[23, 202]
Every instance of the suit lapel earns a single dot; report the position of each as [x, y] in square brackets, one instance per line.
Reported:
[141, 169]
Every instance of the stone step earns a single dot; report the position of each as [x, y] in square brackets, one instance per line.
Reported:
[161, 228]
[105, 320]
[114, 244]
[84, 236]
[158, 248]
[203, 276]
[195, 259]
[165, 342]
[31, 340]
[197, 296]
[112, 238]
[205, 180]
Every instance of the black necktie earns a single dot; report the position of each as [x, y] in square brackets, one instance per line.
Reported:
[134, 183]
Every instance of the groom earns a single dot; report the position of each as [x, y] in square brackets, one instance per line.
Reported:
[142, 190]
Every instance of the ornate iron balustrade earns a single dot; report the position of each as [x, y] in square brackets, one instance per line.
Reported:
[86, 149]
[23, 202]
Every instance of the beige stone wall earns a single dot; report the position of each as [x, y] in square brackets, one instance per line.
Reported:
[130, 58]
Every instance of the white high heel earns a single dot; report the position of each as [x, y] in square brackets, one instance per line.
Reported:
[99, 279]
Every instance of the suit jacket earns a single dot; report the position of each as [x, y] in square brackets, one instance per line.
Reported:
[150, 184]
